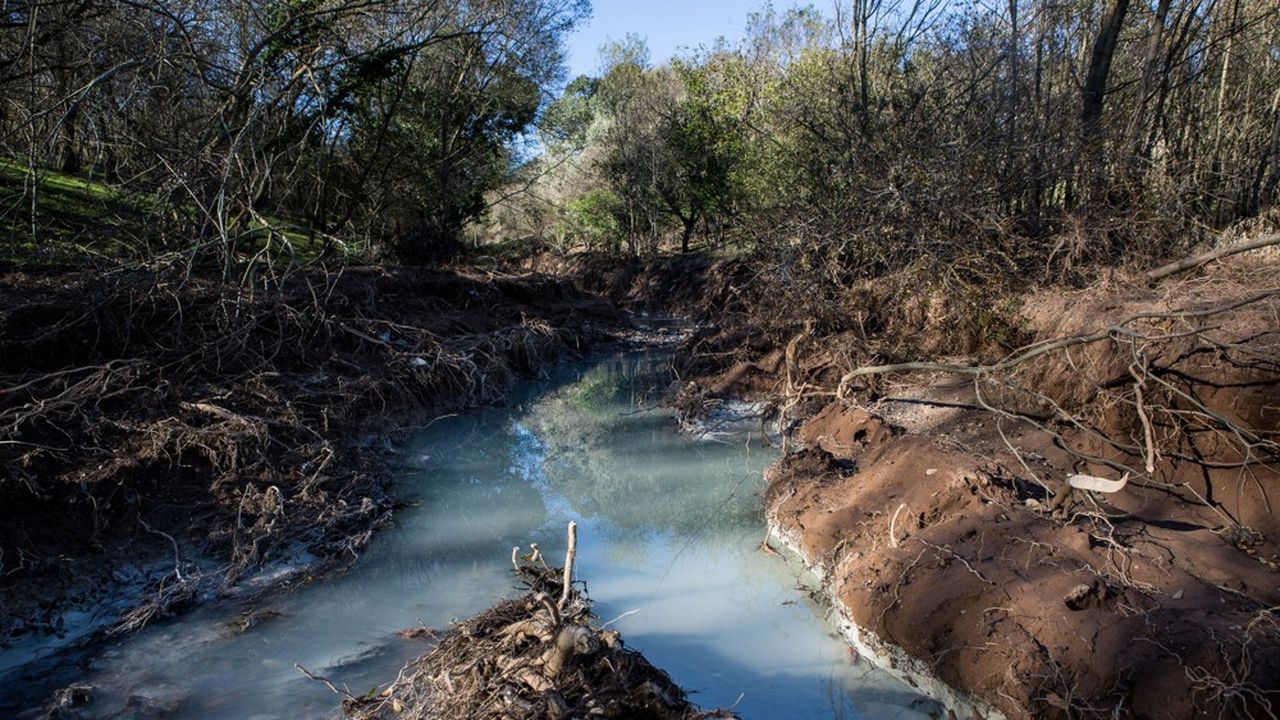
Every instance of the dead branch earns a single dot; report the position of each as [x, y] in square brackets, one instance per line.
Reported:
[526, 659]
[570, 556]
[327, 683]
[1195, 261]
[1117, 330]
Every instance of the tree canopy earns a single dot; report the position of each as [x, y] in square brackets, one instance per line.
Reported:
[1027, 134]
[377, 120]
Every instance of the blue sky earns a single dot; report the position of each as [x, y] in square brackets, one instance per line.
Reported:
[667, 25]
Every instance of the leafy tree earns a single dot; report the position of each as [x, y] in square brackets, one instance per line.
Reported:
[704, 144]
[449, 145]
[385, 120]
[631, 97]
[592, 219]
[568, 120]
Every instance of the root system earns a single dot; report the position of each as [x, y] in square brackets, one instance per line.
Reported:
[1060, 501]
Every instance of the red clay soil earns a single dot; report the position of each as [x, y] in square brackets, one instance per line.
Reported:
[937, 510]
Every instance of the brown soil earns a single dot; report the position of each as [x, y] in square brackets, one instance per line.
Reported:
[147, 417]
[936, 506]
[695, 287]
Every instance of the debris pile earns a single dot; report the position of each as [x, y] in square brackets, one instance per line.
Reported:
[538, 656]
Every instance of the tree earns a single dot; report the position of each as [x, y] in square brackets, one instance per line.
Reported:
[631, 96]
[933, 132]
[703, 144]
[232, 116]
[449, 145]
[1093, 92]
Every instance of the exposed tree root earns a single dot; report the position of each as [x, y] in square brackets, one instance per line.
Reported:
[1064, 503]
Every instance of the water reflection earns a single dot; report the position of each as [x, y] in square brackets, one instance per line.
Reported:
[668, 544]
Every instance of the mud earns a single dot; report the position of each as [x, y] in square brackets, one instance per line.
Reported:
[209, 439]
[935, 506]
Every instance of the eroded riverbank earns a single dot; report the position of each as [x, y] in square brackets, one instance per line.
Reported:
[1079, 523]
[169, 440]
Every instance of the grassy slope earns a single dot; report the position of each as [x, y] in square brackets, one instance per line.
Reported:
[47, 216]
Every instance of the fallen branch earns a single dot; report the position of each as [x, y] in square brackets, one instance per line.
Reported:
[1195, 261]
[219, 412]
[525, 658]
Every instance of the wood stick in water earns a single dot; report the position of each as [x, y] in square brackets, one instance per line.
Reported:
[569, 557]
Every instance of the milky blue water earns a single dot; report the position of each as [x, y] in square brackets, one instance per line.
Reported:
[670, 528]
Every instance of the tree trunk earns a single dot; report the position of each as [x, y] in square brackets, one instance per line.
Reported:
[1137, 147]
[1215, 177]
[861, 16]
[1012, 185]
[1267, 187]
[684, 236]
[1094, 92]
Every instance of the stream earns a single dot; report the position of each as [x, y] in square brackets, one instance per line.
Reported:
[669, 532]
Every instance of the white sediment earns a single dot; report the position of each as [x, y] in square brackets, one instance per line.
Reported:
[871, 648]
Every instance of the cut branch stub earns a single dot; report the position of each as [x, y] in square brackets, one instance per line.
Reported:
[570, 555]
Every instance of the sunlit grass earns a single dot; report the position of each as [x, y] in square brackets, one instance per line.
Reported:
[46, 215]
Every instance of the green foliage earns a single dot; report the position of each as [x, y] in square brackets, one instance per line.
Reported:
[592, 220]
[567, 121]
[949, 135]
[241, 131]
[67, 212]
[450, 142]
[706, 141]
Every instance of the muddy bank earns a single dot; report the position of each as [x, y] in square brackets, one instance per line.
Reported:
[934, 499]
[165, 438]
[698, 288]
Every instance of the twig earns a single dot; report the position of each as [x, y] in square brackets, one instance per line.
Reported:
[1147, 433]
[325, 680]
[1035, 351]
[969, 566]
[625, 614]
[177, 557]
[570, 555]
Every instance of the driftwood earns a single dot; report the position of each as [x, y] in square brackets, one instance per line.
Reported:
[570, 555]
[532, 657]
